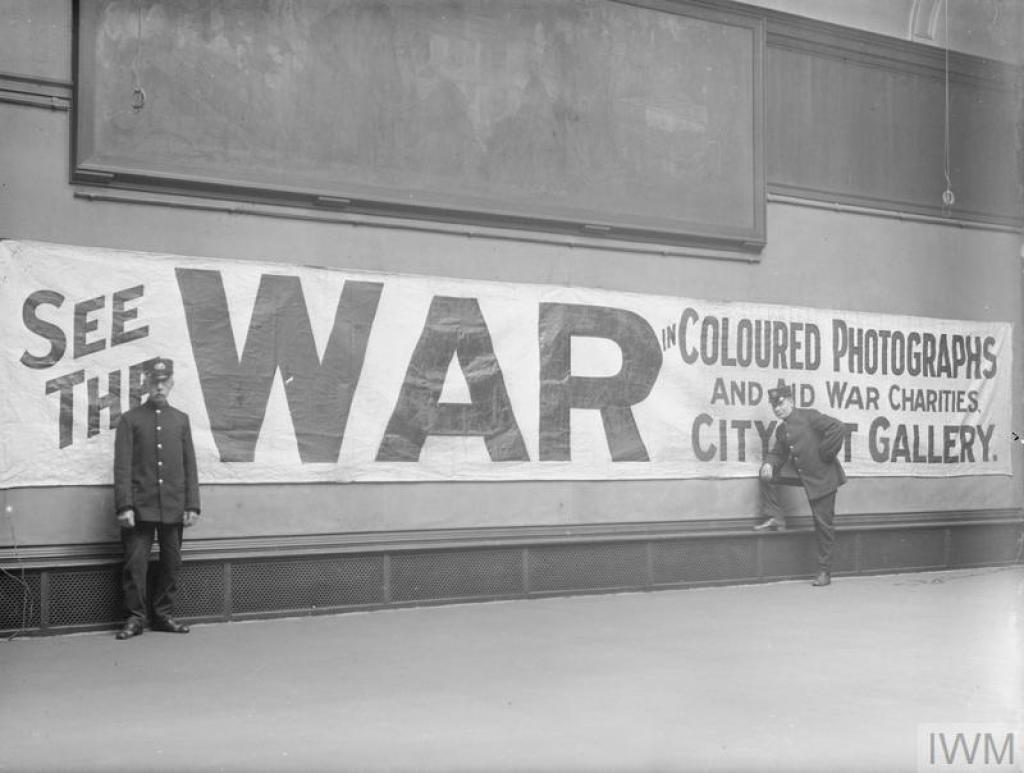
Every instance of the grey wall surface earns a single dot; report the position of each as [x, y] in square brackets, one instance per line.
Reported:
[815, 256]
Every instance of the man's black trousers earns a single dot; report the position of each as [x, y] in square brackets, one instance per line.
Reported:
[137, 543]
[823, 513]
[823, 510]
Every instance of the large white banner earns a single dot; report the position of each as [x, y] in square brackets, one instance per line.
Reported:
[306, 374]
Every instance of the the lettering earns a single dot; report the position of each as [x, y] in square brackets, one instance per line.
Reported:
[280, 338]
[746, 343]
[613, 396]
[842, 395]
[45, 330]
[455, 328]
[991, 753]
[895, 352]
[731, 436]
[928, 444]
[87, 336]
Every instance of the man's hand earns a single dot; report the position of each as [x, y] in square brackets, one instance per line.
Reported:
[766, 473]
[126, 518]
[191, 516]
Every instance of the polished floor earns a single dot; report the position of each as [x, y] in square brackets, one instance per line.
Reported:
[776, 677]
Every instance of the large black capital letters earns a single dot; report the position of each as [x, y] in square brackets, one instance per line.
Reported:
[560, 391]
[280, 336]
[454, 327]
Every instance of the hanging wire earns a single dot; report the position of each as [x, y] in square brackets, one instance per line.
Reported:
[28, 599]
[138, 93]
[947, 195]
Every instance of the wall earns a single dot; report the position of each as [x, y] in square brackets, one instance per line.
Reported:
[815, 256]
[988, 28]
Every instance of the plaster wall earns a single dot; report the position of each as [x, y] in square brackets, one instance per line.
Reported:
[815, 257]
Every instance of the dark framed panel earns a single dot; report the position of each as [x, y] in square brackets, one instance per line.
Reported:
[634, 121]
[859, 119]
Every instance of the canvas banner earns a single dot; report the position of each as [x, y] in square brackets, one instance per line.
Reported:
[293, 374]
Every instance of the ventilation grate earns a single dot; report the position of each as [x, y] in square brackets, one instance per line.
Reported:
[201, 591]
[588, 567]
[85, 597]
[307, 584]
[450, 575]
[19, 600]
[704, 560]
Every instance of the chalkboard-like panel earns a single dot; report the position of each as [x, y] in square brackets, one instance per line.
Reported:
[861, 120]
[635, 121]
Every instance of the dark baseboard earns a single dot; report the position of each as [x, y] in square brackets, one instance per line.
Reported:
[286, 578]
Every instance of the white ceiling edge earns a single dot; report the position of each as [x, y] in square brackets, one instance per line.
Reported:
[993, 29]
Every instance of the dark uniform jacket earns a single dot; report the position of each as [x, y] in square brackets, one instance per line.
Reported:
[155, 464]
[811, 441]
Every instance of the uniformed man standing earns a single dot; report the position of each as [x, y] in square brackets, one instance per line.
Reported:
[812, 441]
[156, 492]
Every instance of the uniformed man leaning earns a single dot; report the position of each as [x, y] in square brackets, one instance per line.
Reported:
[811, 441]
[156, 492]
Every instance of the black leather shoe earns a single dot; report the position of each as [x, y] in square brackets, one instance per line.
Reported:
[132, 628]
[823, 578]
[169, 625]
